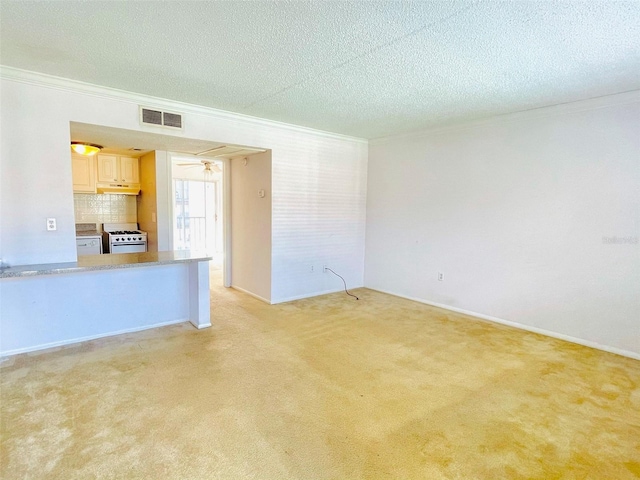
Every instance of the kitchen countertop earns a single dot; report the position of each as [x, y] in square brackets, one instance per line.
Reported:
[88, 263]
[87, 230]
[89, 233]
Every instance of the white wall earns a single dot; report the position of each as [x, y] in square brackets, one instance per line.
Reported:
[319, 218]
[318, 179]
[513, 211]
[50, 310]
[35, 174]
[251, 225]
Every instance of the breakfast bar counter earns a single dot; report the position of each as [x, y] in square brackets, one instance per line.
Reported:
[49, 305]
[105, 262]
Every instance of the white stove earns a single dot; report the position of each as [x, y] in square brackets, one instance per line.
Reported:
[123, 238]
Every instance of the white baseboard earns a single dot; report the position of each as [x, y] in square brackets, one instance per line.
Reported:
[204, 325]
[235, 287]
[310, 295]
[295, 297]
[542, 331]
[62, 343]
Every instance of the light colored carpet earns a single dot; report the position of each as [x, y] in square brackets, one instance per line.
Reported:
[325, 388]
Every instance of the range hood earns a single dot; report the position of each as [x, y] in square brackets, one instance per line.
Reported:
[118, 188]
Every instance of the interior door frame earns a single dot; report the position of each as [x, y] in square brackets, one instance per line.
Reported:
[226, 206]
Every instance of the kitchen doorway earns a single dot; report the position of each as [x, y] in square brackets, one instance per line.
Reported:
[197, 205]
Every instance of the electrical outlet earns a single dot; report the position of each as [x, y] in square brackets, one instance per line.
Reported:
[51, 224]
[312, 269]
[440, 276]
[324, 269]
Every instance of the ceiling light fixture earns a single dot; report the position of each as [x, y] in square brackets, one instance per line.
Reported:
[85, 148]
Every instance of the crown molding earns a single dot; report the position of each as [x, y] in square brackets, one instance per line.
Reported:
[624, 98]
[60, 83]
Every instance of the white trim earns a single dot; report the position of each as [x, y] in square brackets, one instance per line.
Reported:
[624, 98]
[91, 337]
[311, 295]
[200, 327]
[541, 331]
[226, 223]
[171, 199]
[235, 287]
[51, 81]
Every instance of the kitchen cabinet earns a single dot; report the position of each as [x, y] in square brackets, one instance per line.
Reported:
[83, 170]
[117, 168]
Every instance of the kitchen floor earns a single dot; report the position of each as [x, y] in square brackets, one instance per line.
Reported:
[324, 388]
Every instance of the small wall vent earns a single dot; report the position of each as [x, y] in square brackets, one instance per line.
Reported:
[149, 116]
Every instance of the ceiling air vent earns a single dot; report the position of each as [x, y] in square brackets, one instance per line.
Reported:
[172, 120]
[149, 116]
[153, 117]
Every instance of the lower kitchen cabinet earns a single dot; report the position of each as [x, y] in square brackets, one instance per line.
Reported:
[89, 245]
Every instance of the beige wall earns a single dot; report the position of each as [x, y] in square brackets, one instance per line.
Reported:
[251, 225]
[147, 202]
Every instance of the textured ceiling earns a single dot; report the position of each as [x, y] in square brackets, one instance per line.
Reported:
[367, 69]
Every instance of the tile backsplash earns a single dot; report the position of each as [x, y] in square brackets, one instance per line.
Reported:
[93, 208]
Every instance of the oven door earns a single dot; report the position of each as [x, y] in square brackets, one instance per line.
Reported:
[129, 248]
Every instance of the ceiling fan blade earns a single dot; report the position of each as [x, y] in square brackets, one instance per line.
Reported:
[207, 166]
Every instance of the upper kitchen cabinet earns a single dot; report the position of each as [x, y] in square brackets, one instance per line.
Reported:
[116, 168]
[83, 169]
